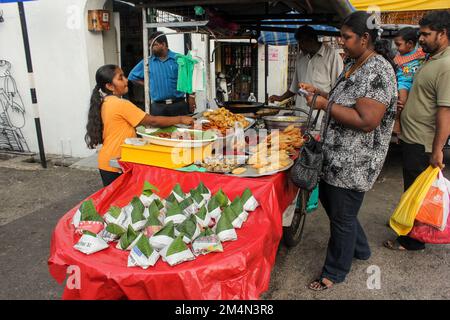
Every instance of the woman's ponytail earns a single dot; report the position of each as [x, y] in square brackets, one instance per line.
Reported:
[94, 126]
[383, 47]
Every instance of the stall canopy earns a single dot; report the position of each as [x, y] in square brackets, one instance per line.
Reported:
[401, 5]
[234, 18]
[288, 37]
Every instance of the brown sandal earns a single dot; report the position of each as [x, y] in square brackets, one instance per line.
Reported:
[319, 285]
[394, 245]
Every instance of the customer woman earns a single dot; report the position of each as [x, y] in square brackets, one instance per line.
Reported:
[112, 119]
[362, 108]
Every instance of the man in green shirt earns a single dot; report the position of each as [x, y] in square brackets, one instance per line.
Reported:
[425, 120]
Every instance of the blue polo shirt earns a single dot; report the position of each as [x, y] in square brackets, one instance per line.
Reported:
[163, 77]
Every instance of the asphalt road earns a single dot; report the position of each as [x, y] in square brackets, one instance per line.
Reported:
[34, 200]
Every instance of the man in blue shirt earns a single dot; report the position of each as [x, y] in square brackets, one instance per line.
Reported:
[163, 71]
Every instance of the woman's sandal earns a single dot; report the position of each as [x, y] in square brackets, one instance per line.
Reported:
[394, 245]
[319, 285]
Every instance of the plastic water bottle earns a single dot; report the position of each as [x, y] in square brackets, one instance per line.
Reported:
[252, 97]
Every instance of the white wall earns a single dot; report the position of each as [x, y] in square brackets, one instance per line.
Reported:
[278, 69]
[65, 56]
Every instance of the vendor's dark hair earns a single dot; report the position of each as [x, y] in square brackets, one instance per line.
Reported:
[408, 34]
[358, 22]
[306, 32]
[437, 21]
[94, 126]
[161, 39]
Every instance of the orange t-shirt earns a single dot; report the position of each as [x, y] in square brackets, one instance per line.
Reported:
[120, 117]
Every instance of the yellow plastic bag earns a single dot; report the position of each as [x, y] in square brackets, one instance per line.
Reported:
[402, 220]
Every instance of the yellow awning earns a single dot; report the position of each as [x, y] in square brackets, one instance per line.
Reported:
[401, 5]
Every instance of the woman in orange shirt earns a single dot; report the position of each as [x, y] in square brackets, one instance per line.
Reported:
[112, 119]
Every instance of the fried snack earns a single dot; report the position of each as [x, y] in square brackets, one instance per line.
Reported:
[238, 170]
[222, 119]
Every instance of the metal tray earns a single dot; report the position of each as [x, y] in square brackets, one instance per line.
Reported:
[253, 173]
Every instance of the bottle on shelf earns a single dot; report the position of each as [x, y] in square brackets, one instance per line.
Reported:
[252, 97]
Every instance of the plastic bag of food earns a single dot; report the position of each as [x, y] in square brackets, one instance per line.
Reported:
[249, 201]
[177, 252]
[189, 228]
[233, 217]
[117, 216]
[188, 206]
[112, 232]
[142, 254]
[224, 229]
[238, 208]
[136, 212]
[174, 214]
[163, 237]
[203, 217]
[434, 209]
[90, 243]
[153, 224]
[206, 242]
[213, 208]
[148, 194]
[178, 193]
[128, 239]
[87, 218]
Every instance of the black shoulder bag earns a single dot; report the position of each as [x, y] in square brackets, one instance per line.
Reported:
[305, 172]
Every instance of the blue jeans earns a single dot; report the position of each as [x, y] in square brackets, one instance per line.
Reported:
[347, 238]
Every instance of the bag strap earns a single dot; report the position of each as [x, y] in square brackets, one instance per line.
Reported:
[323, 129]
[311, 109]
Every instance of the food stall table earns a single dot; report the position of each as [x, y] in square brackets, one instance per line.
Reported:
[242, 271]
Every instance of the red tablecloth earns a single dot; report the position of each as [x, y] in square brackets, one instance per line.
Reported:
[242, 271]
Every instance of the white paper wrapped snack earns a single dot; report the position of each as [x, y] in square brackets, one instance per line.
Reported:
[138, 219]
[177, 252]
[189, 228]
[238, 208]
[128, 239]
[174, 214]
[90, 243]
[198, 199]
[178, 193]
[249, 201]
[163, 237]
[148, 195]
[188, 206]
[112, 232]
[232, 217]
[153, 224]
[204, 191]
[203, 217]
[222, 198]
[142, 254]
[87, 218]
[207, 242]
[225, 230]
[117, 216]
[213, 208]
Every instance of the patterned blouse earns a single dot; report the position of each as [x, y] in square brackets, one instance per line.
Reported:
[353, 159]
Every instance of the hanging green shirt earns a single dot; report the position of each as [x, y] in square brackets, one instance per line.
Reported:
[185, 70]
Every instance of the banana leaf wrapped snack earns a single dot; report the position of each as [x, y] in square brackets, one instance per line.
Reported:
[90, 243]
[143, 254]
[148, 194]
[207, 242]
[163, 237]
[87, 218]
[177, 252]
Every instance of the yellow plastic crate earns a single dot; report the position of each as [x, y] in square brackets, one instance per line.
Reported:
[162, 156]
